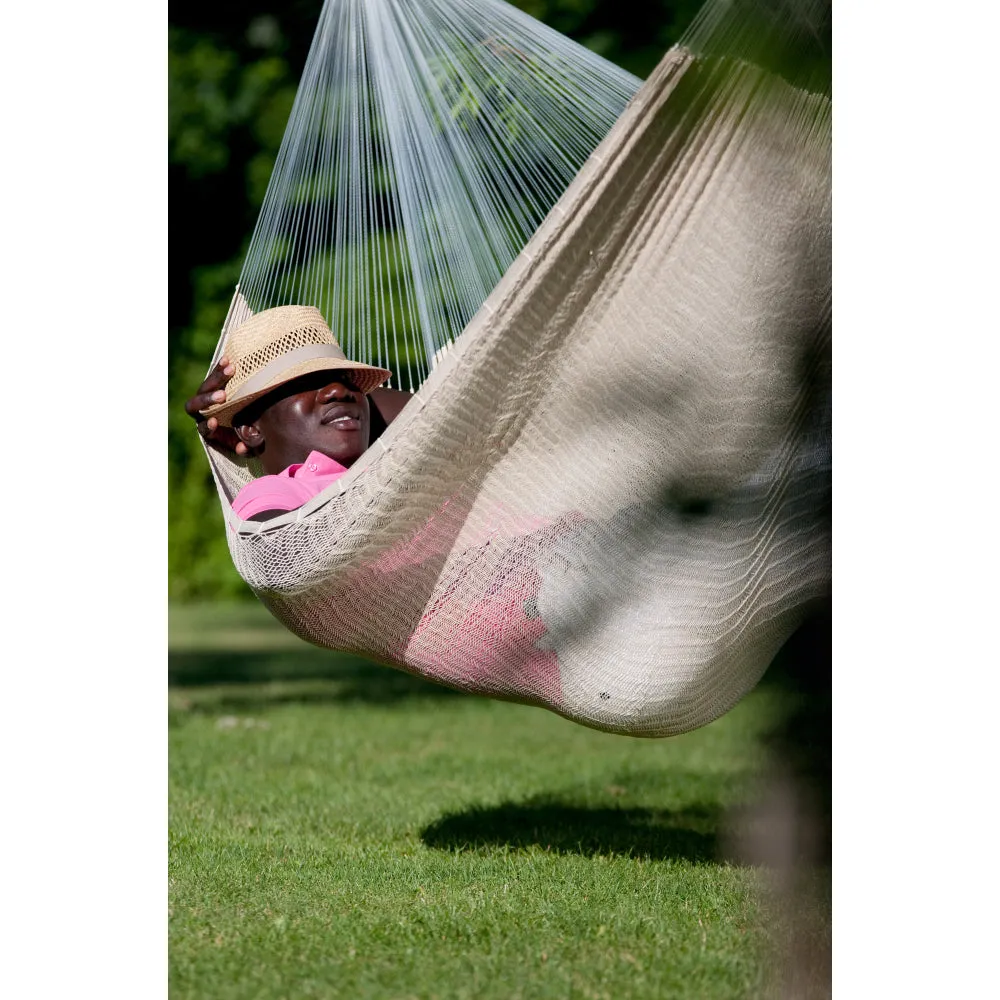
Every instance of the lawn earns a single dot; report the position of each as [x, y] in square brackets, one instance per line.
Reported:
[338, 829]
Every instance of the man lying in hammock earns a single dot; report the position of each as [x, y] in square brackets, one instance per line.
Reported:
[285, 393]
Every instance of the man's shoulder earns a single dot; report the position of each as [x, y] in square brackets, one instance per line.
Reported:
[290, 488]
[278, 492]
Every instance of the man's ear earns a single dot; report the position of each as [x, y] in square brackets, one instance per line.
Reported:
[250, 435]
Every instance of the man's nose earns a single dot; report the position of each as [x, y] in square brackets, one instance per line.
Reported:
[337, 389]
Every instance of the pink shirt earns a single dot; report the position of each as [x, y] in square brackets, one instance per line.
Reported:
[497, 635]
[290, 488]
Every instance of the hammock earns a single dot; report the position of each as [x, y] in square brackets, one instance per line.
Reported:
[610, 495]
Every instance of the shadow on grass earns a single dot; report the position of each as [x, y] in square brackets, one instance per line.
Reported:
[339, 678]
[690, 834]
[701, 832]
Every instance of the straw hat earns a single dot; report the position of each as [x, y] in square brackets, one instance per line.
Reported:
[278, 345]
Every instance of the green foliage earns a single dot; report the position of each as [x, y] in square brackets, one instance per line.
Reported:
[198, 561]
[211, 94]
[217, 101]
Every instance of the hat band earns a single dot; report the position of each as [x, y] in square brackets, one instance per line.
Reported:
[261, 378]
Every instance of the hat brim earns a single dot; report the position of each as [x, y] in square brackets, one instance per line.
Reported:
[366, 377]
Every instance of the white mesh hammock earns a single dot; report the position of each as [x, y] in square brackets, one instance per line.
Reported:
[610, 496]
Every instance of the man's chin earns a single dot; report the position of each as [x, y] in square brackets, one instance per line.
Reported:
[346, 448]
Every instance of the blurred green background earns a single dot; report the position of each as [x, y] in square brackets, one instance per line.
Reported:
[232, 80]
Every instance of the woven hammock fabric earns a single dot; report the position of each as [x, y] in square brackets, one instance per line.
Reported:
[611, 497]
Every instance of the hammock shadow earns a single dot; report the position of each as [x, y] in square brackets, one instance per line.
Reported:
[338, 678]
[689, 834]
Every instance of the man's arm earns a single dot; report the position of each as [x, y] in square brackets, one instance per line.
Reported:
[385, 407]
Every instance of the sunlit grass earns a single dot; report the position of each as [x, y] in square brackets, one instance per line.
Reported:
[344, 830]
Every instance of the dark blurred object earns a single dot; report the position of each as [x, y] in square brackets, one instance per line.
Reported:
[787, 828]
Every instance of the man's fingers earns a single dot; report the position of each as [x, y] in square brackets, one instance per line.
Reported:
[202, 401]
[217, 377]
[223, 439]
[192, 406]
[210, 392]
[220, 374]
[216, 380]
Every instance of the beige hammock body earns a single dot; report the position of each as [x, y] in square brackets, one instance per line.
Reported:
[611, 498]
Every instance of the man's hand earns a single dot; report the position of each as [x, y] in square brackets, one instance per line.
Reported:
[212, 391]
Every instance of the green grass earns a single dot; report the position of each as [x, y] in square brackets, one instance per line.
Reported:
[338, 829]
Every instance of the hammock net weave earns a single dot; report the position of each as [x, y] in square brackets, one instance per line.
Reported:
[610, 495]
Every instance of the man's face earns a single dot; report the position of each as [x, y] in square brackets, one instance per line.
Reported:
[324, 411]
